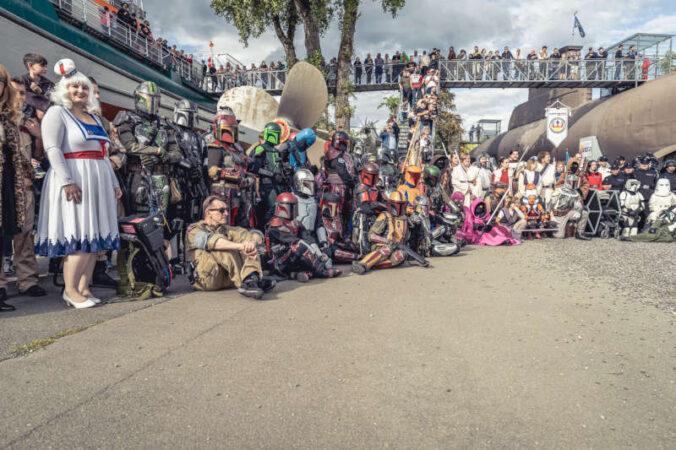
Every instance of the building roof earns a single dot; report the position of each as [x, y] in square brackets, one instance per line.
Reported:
[641, 41]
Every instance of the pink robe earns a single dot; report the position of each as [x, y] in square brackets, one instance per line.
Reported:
[498, 235]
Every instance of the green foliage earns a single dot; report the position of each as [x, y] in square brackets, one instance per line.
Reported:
[449, 123]
[391, 103]
[668, 63]
[316, 59]
[253, 17]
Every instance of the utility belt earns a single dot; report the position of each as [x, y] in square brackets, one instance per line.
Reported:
[562, 212]
[158, 169]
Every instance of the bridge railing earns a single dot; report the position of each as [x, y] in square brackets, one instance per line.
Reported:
[91, 16]
[463, 73]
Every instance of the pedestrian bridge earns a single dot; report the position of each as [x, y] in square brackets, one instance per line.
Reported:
[551, 73]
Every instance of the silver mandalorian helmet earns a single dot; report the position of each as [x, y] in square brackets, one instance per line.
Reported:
[147, 98]
[304, 182]
[422, 205]
[632, 185]
[185, 114]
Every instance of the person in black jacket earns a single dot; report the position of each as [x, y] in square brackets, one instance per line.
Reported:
[357, 70]
[618, 61]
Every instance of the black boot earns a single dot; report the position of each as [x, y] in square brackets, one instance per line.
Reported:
[250, 287]
[4, 307]
[101, 278]
[582, 237]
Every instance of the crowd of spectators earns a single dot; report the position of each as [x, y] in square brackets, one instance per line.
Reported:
[567, 64]
[266, 76]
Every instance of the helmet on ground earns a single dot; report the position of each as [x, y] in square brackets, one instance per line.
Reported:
[432, 173]
[305, 138]
[185, 114]
[272, 133]
[147, 98]
[304, 182]
[340, 141]
[412, 175]
[226, 129]
[397, 203]
[286, 206]
[369, 174]
[329, 204]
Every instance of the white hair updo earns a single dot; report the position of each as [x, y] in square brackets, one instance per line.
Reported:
[71, 76]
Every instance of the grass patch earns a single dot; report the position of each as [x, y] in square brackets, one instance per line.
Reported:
[37, 344]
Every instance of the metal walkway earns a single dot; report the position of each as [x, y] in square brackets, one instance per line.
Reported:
[472, 74]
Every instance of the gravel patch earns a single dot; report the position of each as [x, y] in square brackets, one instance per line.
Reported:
[641, 270]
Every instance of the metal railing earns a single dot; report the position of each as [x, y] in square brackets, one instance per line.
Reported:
[475, 73]
[106, 25]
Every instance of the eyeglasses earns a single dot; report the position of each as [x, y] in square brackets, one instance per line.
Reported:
[220, 210]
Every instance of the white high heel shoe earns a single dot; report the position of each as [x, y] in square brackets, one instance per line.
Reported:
[81, 305]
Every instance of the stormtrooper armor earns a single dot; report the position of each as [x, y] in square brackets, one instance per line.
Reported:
[661, 200]
[633, 204]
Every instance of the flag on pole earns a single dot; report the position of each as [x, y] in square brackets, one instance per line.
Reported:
[578, 25]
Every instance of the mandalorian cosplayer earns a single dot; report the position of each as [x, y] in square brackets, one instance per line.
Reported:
[191, 174]
[227, 168]
[152, 150]
[290, 246]
[267, 165]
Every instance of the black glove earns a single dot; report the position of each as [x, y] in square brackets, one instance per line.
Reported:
[278, 178]
[195, 172]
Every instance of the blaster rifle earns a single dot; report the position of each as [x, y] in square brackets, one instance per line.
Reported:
[403, 248]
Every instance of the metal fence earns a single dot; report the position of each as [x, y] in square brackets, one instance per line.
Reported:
[106, 26]
[473, 73]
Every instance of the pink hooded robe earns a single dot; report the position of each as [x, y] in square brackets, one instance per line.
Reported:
[498, 235]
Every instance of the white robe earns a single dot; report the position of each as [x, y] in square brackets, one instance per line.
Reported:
[462, 182]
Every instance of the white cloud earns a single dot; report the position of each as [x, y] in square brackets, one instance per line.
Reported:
[423, 24]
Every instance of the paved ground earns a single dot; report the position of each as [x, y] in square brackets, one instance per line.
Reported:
[479, 351]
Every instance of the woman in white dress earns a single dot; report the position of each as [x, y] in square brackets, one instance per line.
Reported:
[78, 208]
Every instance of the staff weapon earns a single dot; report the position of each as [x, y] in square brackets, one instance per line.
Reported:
[459, 161]
[504, 195]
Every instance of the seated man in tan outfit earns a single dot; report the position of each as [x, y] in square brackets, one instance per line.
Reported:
[223, 256]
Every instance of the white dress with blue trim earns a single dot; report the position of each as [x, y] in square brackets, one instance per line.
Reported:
[65, 227]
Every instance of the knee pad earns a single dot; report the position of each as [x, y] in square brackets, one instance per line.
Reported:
[398, 256]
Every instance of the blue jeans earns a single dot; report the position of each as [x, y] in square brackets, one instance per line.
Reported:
[417, 94]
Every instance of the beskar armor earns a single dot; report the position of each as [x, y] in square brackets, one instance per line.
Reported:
[147, 99]
[185, 114]
[304, 182]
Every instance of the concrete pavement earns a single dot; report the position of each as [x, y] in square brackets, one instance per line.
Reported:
[468, 353]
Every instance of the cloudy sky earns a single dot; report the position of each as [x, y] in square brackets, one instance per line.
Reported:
[425, 24]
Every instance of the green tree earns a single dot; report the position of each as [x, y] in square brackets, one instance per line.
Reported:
[449, 123]
[253, 17]
[391, 103]
[348, 14]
